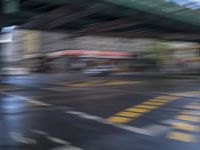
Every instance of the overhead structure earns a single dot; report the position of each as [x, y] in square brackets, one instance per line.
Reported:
[161, 19]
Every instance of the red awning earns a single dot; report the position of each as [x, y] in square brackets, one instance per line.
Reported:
[92, 53]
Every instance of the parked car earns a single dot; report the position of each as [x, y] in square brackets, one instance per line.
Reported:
[98, 71]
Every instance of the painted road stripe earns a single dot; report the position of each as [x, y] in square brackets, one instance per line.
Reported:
[155, 103]
[182, 94]
[39, 132]
[66, 147]
[39, 103]
[65, 144]
[182, 124]
[146, 106]
[185, 126]
[165, 97]
[121, 82]
[18, 137]
[159, 100]
[157, 129]
[187, 112]
[139, 110]
[195, 92]
[27, 99]
[128, 114]
[193, 107]
[105, 121]
[196, 103]
[57, 140]
[118, 119]
[188, 118]
[182, 137]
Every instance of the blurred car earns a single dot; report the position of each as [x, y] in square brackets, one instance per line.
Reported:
[98, 71]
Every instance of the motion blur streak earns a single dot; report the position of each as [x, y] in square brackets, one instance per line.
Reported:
[99, 74]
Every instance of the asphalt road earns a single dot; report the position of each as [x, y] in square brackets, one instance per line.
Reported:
[73, 112]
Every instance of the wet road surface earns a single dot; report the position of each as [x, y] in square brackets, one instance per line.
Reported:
[63, 112]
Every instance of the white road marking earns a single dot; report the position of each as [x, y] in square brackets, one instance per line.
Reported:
[191, 112]
[170, 122]
[39, 103]
[102, 120]
[65, 144]
[18, 137]
[57, 140]
[66, 147]
[38, 132]
[29, 100]
[157, 129]
[86, 116]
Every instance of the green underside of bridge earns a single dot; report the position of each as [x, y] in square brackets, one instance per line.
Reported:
[172, 16]
[163, 9]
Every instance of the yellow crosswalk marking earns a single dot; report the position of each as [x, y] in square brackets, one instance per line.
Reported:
[184, 94]
[182, 137]
[139, 110]
[118, 119]
[196, 113]
[196, 92]
[128, 114]
[185, 126]
[167, 97]
[158, 100]
[146, 106]
[188, 118]
[155, 103]
[196, 103]
[193, 107]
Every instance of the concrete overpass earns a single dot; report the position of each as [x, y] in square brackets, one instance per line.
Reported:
[122, 18]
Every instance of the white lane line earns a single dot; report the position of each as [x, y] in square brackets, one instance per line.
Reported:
[161, 129]
[102, 120]
[170, 122]
[157, 129]
[57, 140]
[66, 147]
[18, 137]
[39, 103]
[87, 116]
[29, 100]
[65, 144]
[39, 132]
[191, 112]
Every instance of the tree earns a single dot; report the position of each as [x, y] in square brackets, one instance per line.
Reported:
[160, 52]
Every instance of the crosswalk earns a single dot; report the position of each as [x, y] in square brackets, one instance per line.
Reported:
[186, 125]
[131, 113]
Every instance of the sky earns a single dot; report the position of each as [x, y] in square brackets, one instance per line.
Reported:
[193, 4]
[185, 1]
[195, 0]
